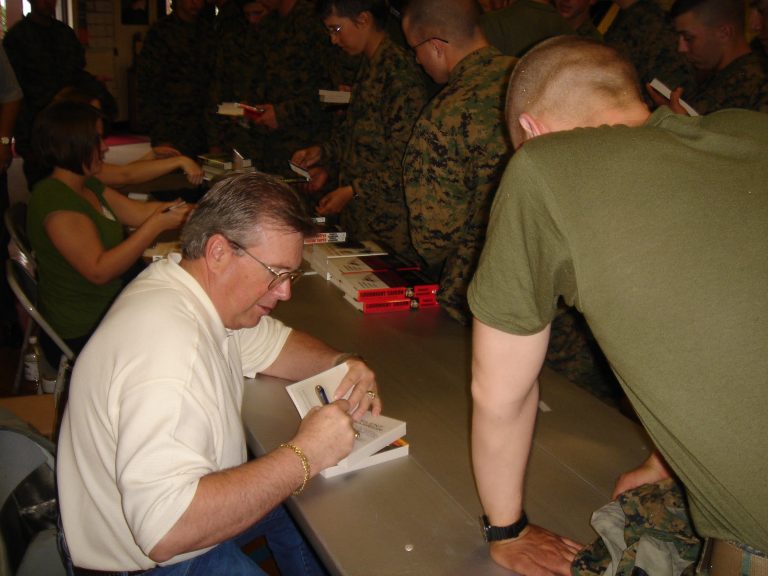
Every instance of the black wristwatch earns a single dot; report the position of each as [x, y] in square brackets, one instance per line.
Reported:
[494, 533]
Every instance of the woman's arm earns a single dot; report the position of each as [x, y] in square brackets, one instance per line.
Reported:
[117, 175]
[76, 238]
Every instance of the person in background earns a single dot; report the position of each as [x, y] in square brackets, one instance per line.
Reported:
[297, 60]
[46, 56]
[459, 147]
[155, 163]
[576, 13]
[387, 97]
[641, 33]
[10, 103]
[712, 37]
[758, 25]
[75, 225]
[664, 253]
[173, 72]
[152, 455]
[515, 27]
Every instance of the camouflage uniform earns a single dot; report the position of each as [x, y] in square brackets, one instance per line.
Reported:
[643, 35]
[741, 84]
[652, 513]
[238, 76]
[174, 73]
[758, 48]
[451, 169]
[229, 22]
[387, 97]
[297, 63]
[517, 28]
[45, 59]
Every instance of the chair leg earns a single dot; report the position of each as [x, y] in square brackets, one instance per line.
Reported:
[24, 343]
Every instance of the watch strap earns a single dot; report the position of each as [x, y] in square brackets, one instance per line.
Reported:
[495, 533]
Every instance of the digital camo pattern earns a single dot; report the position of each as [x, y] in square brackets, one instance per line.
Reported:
[741, 84]
[387, 98]
[174, 74]
[297, 63]
[452, 166]
[657, 511]
[643, 35]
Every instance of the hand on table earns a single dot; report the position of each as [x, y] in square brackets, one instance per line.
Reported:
[362, 381]
[335, 201]
[536, 552]
[326, 435]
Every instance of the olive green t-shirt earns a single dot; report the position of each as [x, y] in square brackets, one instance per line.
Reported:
[70, 303]
[659, 235]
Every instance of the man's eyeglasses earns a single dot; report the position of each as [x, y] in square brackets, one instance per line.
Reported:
[279, 277]
[415, 46]
[333, 30]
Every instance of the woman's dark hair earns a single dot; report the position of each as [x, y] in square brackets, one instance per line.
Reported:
[351, 9]
[65, 135]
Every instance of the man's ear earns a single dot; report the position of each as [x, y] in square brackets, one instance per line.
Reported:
[725, 32]
[218, 251]
[531, 126]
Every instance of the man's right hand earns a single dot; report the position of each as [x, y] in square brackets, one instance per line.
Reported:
[326, 435]
[537, 552]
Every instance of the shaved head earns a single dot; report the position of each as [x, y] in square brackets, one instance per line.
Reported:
[570, 82]
[712, 12]
[454, 20]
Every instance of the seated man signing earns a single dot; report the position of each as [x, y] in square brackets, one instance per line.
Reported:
[664, 253]
[152, 458]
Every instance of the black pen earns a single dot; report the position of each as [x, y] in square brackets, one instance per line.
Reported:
[320, 391]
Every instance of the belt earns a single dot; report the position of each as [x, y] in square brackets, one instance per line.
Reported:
[726, 558]
[90, 572]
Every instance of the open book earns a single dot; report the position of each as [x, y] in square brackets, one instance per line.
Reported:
[376, 432]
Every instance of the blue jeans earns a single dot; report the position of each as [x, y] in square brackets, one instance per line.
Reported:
[292, 554]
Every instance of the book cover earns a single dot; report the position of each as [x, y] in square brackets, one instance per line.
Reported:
[375, 432]
[318, 255]
[327, 234]
[335, 96]
[230, 109]
[394, 305]
[397, 449]
[365, 264]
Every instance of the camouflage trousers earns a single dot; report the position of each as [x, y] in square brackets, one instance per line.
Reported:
[645, 532]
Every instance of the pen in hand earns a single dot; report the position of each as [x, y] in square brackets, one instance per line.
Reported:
[169, 208]
[320, 391]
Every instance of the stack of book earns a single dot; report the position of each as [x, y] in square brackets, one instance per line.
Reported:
[217, 165]
[331, 233]
[380, 438]
[378, 284]
[320, 255]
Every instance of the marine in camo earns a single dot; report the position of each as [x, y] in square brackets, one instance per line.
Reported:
[643, 34]
[174, 72]
[454, 162]
[387, 97]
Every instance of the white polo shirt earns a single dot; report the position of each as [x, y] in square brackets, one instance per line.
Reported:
[154, 405]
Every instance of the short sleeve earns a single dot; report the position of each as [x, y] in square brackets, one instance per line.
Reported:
[525, 265]
[261, 345]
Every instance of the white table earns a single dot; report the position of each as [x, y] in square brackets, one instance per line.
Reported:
[418, 515]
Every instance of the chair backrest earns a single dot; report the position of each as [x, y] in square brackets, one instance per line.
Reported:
[15, 219]
[28, 506]
[25, 289]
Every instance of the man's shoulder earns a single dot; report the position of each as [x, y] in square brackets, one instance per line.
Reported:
[741, 84]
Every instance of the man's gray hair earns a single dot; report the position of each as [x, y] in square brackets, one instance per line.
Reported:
[238, 206]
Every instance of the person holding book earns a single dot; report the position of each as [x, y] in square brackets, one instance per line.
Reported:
[152, 455]
[367, 149]
[712, 37]
[665, 255]
[75, 225]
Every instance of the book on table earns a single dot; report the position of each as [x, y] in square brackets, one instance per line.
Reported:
[375, 432]
[386, 285]
[326, 235]
[335, 96]
[394, 305]
[319, 255]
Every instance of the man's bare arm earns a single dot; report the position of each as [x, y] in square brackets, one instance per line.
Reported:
[505, 393]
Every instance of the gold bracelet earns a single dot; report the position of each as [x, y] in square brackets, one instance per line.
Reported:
[304, 464]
